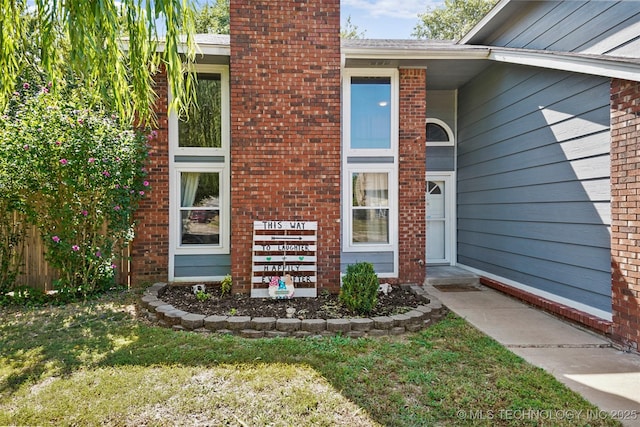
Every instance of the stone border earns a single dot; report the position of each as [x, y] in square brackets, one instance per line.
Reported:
[415, 320]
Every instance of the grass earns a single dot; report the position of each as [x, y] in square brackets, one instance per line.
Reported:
[95, 363]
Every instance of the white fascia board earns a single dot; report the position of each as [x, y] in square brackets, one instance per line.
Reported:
[484, 21]
[408, 54]
[601, 66]
[201, 49]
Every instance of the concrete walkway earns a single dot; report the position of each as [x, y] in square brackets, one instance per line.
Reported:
[584, 361]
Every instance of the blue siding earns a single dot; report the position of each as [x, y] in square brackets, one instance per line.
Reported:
[534, 181]
[382, 261]
[202, 265]
[592, 27]
[441, 159]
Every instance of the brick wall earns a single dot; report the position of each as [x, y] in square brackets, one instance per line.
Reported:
[625, 212]
[412, 233]
[285, 125]
[150, 247]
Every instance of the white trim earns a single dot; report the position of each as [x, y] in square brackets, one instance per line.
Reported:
[191, 279]
[451, 51]
[174, 206]
[449, 179]
[486, 19]
[552, 297]
[223, 70]
[392, 171]
[224, 168]
[601, 65]
[447, 129]
[393, 75]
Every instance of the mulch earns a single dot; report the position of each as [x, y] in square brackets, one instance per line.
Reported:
[325, 306]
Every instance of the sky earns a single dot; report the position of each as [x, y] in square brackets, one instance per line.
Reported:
[385, 19]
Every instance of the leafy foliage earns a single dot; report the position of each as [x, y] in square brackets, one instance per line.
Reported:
[453, 21]
[225, 285]
[111, 45]
[359, 290]
[213, 19]
[78, 174]
[351, 31]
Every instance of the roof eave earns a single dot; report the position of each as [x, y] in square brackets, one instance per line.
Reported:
[614, 67]
[412, 54]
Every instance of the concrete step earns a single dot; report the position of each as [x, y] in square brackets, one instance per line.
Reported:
[447, 275]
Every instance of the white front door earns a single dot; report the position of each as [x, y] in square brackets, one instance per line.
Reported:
[439, 211]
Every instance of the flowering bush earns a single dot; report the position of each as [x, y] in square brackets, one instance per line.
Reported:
[80, 173]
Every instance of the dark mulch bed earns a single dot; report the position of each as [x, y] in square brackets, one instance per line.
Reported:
[325, 306]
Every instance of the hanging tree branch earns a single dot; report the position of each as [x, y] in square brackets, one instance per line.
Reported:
[113, 47]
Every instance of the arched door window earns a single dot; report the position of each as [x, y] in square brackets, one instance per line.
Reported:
[438, 133]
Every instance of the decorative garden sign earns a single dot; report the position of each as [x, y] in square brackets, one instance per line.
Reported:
[284, 259]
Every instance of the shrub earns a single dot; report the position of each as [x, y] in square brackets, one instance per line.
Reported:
[80, 173]
[225, 285]
[359, 291]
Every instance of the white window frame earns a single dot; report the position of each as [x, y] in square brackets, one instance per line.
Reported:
[447, 129]
[393, 74]
[175, 217]
[200, 165]
[175, 149]
[348, 245]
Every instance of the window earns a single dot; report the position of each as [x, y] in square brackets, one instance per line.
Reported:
[371, 113]
[370, 101]
[438, 133]
[202, 127]
[199, 220]
[200, 208]
[370, 161]
[370, 207]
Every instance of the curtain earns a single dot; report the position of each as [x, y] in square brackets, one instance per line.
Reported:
[188, 188]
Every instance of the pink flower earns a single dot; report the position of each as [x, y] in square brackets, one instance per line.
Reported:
[56, 239]
[106, 173]
[58, 143]
[117, 159]
[26, 86]
[145, 183]
[75, 248]
[141, 193]
[116, 208]
[91, 160]
[25, 146]
[114, 266]
[85, 213]
[63, 161]
[98, 254]
[80, 121]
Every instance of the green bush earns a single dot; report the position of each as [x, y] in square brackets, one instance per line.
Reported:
[359, 291]
[78, 174]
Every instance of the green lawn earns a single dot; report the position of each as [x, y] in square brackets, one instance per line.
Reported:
[95, 363]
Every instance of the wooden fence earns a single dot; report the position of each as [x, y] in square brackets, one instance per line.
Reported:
[38, 274]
